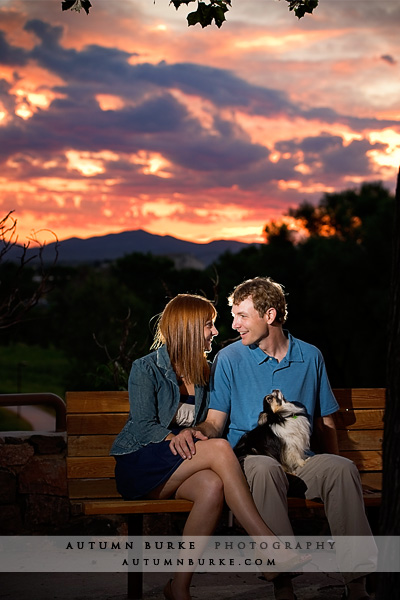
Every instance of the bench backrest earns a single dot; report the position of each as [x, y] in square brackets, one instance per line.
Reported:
[95, 418]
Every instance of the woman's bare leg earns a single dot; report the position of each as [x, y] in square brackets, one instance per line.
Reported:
[205, 490]
[217, 455]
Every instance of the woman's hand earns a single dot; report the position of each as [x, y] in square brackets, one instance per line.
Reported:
[183, 443]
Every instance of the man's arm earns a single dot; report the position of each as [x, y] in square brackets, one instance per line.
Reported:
[325, 431]
[212, 427]
[214, 424]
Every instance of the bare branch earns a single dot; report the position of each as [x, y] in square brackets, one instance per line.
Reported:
[119, 366]
[14, 303]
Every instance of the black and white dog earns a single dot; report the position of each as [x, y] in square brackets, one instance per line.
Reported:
[283, 432]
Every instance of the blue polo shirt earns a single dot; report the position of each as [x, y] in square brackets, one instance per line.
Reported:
[243, 375]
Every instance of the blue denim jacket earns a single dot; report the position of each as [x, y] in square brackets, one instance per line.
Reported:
[153, 397]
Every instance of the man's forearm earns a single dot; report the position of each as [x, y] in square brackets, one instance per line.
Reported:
[327, 435]
[208, 429]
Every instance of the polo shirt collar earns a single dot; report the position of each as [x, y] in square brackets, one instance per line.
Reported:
[294, 353]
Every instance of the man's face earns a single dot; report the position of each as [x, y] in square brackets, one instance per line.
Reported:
[246, 320]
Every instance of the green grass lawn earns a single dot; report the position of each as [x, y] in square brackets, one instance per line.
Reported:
[32, 369]
[10, 421]
[29, 369]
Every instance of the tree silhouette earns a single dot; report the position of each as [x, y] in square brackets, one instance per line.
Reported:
[206, 12]
[390, 510]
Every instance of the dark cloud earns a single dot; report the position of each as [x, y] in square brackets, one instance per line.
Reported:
[7, 99]
[101, 69]
[312, 145]
[220, 86]
[328, 154]
[91, 64]
[360, 124]
[10, 55]
[389, 59]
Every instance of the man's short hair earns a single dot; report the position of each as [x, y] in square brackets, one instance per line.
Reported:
[265, 293]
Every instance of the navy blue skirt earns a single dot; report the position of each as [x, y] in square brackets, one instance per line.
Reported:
[140, 472]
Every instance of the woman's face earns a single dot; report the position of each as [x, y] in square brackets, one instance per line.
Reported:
[210, 331]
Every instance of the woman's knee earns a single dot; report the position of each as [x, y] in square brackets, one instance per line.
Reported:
[220, 451]
[223, 450]
[221, 445]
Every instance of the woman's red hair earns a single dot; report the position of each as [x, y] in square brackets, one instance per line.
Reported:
[181, 329]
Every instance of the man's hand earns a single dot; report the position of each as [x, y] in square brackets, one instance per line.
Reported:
[325, 430]
[183, 443]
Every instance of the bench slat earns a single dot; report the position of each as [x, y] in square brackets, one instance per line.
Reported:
[90, 445]
[97, 402]
[357, 439]
[89, 467]
[113, 423]
[122, 507]
[372, 480]
[106, 488]
[99, 445]
[79, 467]
[365, 460]
[107, 423]
[92, 488]
[359, 419]
[360, 397]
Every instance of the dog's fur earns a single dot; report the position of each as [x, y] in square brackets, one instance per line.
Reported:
[283, 432]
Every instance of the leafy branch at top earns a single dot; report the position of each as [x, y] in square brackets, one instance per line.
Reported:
[77, 5]
[206, 12]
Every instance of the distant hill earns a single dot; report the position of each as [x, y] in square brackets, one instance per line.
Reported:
[115, 245]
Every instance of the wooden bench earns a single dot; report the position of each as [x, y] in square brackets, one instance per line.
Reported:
[95, 418]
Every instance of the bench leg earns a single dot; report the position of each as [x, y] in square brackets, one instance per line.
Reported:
[135, 579]
[135, 586]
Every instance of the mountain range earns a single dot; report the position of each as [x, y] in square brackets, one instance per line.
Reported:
[116, 245]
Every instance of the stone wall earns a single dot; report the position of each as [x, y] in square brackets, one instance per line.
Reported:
[33, 482]
[34, 494]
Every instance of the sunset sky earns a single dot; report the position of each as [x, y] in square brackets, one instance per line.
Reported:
[128, 119]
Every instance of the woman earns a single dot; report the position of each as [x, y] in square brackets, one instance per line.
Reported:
[168, 393]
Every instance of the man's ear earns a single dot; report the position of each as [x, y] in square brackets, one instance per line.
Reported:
[270, 315]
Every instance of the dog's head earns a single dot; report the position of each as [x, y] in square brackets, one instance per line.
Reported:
[276, 404]
[274, 401]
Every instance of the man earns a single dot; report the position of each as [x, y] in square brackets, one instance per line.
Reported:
[266, 358]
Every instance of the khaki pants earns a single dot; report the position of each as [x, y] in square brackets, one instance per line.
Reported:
[333, 479]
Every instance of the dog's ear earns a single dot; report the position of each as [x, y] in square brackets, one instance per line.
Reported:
[262, 418]
[267, 402]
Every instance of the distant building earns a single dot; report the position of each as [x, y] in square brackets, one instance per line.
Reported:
[186, 261]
